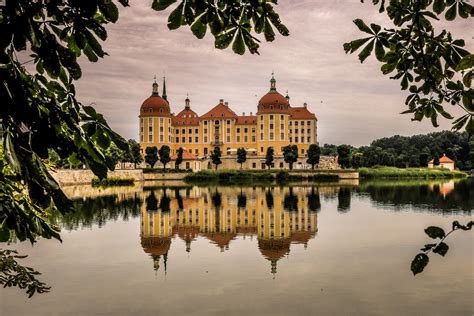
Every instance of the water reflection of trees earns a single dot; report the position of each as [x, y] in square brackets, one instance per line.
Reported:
[99, 210]
[451, 197]
[344, 200]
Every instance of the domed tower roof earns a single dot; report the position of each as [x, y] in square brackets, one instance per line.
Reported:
[155, 105]
[186, 117]
[273, 101]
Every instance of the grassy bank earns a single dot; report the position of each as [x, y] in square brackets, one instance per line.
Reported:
[112, 182]
[420, 173]
[254, 176]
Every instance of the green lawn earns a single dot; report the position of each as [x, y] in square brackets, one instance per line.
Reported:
[425, 173]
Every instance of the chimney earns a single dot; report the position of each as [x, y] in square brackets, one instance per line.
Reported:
[305, 104]
[250, 113]
[226, 104]
[243, 113]
[221, 101]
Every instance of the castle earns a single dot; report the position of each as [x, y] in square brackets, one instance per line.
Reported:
[276, 124]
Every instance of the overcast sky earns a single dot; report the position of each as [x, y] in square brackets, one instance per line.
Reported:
[354, 102]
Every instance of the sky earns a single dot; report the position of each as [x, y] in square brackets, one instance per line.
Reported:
[354, 102]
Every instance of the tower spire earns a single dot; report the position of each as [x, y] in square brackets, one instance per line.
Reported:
[164, 89]
[155, 87]
[273, 83]
[186, 102]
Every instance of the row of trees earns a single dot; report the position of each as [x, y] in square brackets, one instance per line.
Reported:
[407, 151]
[290, 155]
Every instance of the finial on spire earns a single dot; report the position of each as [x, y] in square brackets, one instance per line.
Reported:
[273, 83]
[164, 89]
[287, 97]
[186, 102]
[155, 87]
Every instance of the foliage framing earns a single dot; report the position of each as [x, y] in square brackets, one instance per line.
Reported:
[434, 68]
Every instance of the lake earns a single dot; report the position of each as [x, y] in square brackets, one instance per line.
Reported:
[342, 248]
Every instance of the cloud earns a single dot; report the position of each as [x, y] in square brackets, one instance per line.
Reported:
[359, 103]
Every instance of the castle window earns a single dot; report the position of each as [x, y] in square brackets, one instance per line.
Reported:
[196, 140]
[302, 151]
[271, 135]
[246, 139]
[282, 126]
[271, 117]
[296, 123]
[282, 136]
[261, 117]
[183, 139]
[302, 131]
[228, 130]
[282, 118]
[238, 129]
[253, 139]
[177, 139]
[228, 139]
[228, 122]
[308, 131]
[183, 131]
[190, 131]
[309, 139]
[161, 138]
[190, 139]
[253, 129]
[261, 149]
[261, 136]
[150, 138]
[205, 122]
[161, 110]
[271, 126]
[271, 107]
[308, 123]
[246, 130]
[205, 139]
[296, 139]
[205, 131]
[291, 139]
[291, 123]
[196, 131]
[161, 129]
[238, 138]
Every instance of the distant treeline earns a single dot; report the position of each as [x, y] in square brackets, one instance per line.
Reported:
[408, 151]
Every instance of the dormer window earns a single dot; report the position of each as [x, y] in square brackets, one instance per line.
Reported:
[161, 110]
[271, 107]
[150, 110]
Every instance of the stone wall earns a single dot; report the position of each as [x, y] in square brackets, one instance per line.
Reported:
[258, 163]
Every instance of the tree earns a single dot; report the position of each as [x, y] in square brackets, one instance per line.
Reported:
[179, 158]
[427, 63]
[165, 157]
[357, 160]
[216, 156]
[241, 156]
[344, 153]
[314, 152]
[115, 154]
[151, 156]
[134, 153]
[423, 159]
[436, 159]
[290, 155]
[269, 157]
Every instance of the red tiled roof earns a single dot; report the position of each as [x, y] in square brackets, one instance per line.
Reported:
[186, 156]
[220, 111]
[301, 113]
[155, 106]
[246, 120]
[273, 102]
[445, 159]
[186, 117]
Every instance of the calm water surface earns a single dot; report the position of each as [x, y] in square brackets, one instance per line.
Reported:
[294, 250]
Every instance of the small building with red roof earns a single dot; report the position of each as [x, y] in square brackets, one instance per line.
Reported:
[444, 162]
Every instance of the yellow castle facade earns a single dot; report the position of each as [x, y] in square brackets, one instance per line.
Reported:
[276, 124]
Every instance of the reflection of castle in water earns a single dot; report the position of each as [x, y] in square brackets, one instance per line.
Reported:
[278, 217]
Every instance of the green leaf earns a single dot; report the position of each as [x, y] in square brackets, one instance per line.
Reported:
[470, 127]
[4, 233]
[379, 51]
[239, 46]
[174, 20]
[355, 45]
[466, 62]
[160, 5]
[451, 13]
[441, 249]
[435, 232]
[439, 6]
[366, 51]
[198, 28]
[362, 26]
[419, 263]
